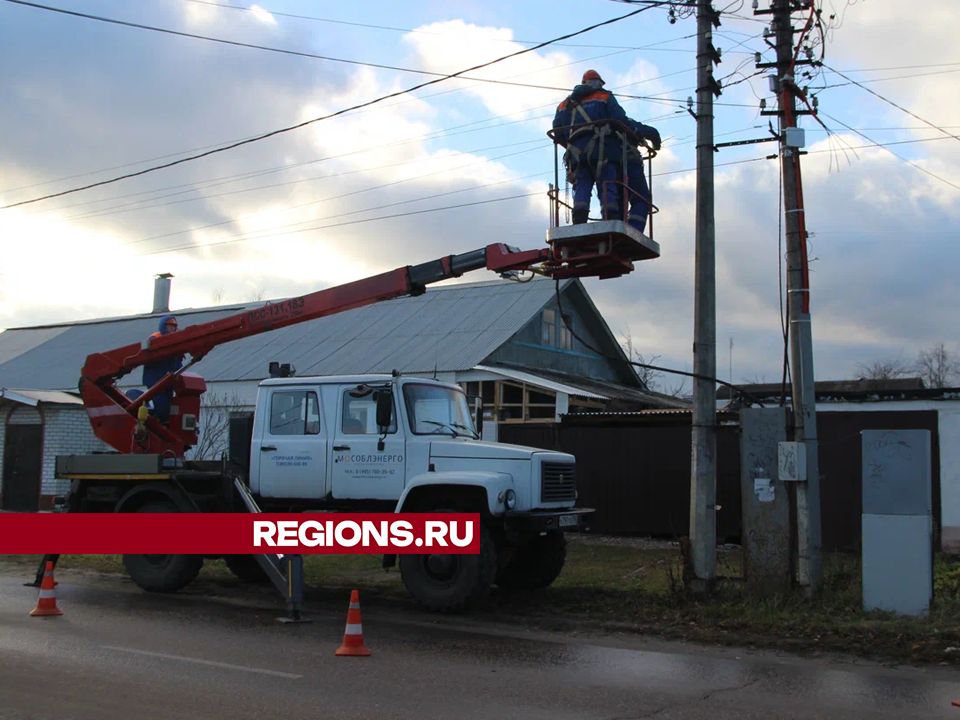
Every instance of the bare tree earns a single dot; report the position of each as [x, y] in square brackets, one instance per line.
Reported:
[257, 294]
[214, 421]
[652, 379]
[217, 295]
[884, 369]
[937, 366]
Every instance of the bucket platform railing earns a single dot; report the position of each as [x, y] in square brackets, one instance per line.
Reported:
[609, 240]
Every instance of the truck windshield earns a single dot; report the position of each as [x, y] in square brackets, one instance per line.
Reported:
[437, 410]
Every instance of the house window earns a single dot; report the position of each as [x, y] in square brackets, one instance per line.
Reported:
[548, 328]
[566, 337]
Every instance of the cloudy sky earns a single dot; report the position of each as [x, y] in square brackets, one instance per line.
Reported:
[82, 101]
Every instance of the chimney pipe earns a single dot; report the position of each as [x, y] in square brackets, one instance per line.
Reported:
[161, 293]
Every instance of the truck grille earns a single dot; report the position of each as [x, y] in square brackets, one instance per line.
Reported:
[558, 482]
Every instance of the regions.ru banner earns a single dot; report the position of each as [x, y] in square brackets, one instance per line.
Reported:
[236, 533]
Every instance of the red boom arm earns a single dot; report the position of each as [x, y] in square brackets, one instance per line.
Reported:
[116, 418]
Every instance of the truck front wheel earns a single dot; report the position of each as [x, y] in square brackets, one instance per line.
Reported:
[535, 565]
[162, 573]
[451, 583]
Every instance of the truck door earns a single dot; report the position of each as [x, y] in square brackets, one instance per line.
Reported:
[361, 469]
[293, 445]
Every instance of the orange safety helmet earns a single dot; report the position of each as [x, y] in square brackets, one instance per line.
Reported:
[591, 75]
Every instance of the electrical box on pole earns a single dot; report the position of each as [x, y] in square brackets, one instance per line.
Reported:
[794, 137]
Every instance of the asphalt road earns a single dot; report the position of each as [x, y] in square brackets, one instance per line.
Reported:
[120, 653]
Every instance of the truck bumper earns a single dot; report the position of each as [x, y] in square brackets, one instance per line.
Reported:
[521, 526]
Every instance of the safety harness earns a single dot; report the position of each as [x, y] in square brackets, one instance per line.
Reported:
[599, 133]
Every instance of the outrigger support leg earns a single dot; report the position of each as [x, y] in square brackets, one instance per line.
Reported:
[294, 591]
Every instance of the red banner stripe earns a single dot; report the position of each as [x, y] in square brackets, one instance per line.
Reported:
[235, 533]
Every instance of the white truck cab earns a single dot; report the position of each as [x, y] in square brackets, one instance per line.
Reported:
[410, 444]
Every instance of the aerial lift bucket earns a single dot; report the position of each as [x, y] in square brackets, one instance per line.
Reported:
[604, 248]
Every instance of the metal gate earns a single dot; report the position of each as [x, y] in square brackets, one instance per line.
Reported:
[22, 465]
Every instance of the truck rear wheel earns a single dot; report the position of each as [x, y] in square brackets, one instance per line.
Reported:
[162, 573]
[451, 583]
[535, 565]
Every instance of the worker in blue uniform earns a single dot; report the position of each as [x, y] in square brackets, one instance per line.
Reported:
[639, 197]
[593, 152]
[154, 372]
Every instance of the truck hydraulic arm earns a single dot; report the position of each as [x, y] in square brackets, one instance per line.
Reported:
[115, 417]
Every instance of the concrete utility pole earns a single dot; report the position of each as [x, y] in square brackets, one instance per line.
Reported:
[809, 567]
[703, 480]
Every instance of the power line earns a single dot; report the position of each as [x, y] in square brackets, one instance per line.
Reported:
[913, 164]
[657, 368]
[435, 134]
[266, 48]
[343, 195]
[271, 233]
[323, 117]
[424, 97]
[899, 67]
[412, 30]
[352, 222]
[890, 129]
[239, 237]
[895, 77]
[891, 102]
[117, 167]
[119, 209]
[228, 179]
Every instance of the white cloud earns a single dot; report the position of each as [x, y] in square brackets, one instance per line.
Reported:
[450, 46]
[262, 15]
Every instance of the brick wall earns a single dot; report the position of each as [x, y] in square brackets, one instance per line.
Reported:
[66, 431]
[24, 415]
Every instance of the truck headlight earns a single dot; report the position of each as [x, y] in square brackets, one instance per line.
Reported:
[510, 499]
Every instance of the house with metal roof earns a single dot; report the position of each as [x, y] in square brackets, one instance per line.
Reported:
[503, 341]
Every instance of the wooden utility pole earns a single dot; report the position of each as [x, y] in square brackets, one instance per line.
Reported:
[809, 566]
[703, 480]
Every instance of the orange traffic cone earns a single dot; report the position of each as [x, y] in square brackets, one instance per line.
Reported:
[353, 635]
[47, 604]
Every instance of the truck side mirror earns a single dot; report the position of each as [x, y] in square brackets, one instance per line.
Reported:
[384, 409]
[477, 402]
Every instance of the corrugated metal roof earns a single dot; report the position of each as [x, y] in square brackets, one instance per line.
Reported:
[451, 328]
[544, 383]
[35, 397]
[611, 390]
[860, 385]
[645, 413]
